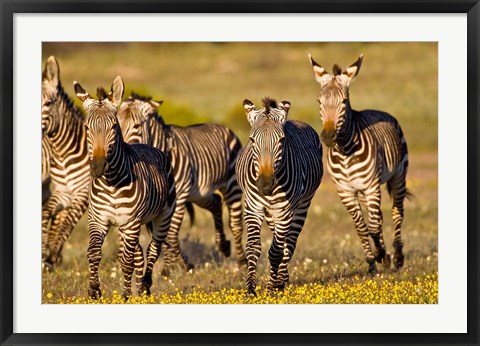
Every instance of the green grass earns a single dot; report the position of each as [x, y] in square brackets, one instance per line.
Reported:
[201, 82]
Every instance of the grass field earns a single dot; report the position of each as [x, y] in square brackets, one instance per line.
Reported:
[207, 82]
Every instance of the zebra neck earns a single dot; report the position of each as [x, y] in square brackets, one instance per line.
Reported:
[348, 138]
[66, 112]
[118, 170]
[160, 135]
[70, 135]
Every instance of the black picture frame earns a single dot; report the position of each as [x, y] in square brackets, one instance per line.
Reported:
[10, 7]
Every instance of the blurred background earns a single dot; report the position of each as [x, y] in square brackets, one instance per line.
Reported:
[207, 82]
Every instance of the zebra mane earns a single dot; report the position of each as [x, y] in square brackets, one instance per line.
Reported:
[101, 94]
[138, 97]
[269, 103]
[63, 95]
[337, 70]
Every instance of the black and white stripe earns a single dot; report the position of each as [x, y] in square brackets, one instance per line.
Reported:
[279, 171]
[46, 178]
[203, 158]
[365, 150]
[131, 185]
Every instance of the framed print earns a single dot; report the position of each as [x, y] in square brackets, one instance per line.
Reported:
[240, 172]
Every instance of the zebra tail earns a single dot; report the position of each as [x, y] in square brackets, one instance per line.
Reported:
[191, 212]
[409, 195]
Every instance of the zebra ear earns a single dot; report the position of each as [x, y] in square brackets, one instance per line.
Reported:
[285, 105]
[156, 104]
[249, 107]
[80, 92]
[116, 93]
[51, 73]
[318, 71]
[352, 71]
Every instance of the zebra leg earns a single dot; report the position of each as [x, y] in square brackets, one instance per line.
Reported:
[138, 258]
[139, 263]
[130, 234]
[275, 258]
[397, 187]
[295, 226]
[213, 204]
[160, 231]
[253, 221]
[96, 235]
[49, 210]
[172, 245]
[57, 220]
[233, 199]
[75, 211]
[350, 200]
[375, 220]
[275, 252]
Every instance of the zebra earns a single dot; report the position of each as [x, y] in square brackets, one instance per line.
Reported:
[130, 185]
[63, 129]
[46, 178]
[365, 149]
[203, 158]
[279, 171]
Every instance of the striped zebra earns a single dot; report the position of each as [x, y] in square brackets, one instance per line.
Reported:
[279, 171]
[365, 150]
[46, 178]
[63, 128]
[130, 185]
[203, 158]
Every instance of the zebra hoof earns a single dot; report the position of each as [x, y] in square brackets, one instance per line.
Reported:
[387, 261]
[190, 267]
[372, 269]
[242, 262]
[144, 290]
[398, 261]
[166, 271]
[47, 267]
[126, 296]
[225, 248]
[94, 293]
[59, 258]
[251, 292]
[146, 283]
[380, 255]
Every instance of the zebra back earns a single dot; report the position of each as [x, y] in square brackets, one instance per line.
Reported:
[203, 155]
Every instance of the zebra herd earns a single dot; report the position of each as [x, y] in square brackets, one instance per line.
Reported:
[129, 168]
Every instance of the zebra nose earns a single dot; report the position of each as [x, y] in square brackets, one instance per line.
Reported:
[265, 184]
[329, 137]
[97, 167]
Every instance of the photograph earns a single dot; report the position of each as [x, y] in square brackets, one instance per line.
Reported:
[239, 172]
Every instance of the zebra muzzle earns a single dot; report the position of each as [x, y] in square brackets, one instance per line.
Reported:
[98, 167]
[265, 184]
[329, 137]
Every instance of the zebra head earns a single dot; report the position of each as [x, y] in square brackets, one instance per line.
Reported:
[334, 98]
[103, 130]
[134, 116]
[266, 140]
[50, 87]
